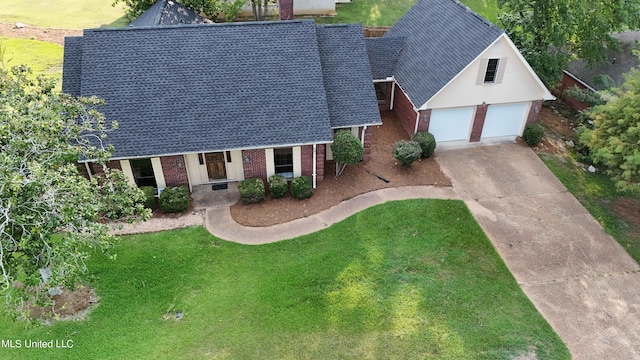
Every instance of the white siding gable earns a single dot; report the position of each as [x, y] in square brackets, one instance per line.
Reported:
[517, 81]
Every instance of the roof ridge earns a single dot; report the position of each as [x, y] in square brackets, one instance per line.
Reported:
[189, 26]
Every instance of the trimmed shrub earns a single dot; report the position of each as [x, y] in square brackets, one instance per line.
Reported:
[301, 187]
[278, 186]
[251, 190]
[149, 196]
[532, 134]
[426, 141]
[406, 152]
[346, 149]
[174, 199]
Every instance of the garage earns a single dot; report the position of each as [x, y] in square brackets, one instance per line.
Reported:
[505, 120]
[451, 124]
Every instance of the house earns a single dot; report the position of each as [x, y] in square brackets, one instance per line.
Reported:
[444, 69]
[618, 63]
[207, 103]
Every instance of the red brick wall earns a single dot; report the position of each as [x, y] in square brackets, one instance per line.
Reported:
[320, 151]
[425, 117]
[256, 167]
[383, 106]
[307, 161]
[536, 106]
[478, 122]
[367, 143]
[174, 170]
[567, 83]
[404, 110]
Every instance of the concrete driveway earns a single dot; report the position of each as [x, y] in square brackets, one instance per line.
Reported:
[578, 277]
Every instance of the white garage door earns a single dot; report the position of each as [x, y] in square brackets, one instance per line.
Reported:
[451, 124]
[505, 120]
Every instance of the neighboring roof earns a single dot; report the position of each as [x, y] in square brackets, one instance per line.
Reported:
[167, 12]
[212, 87]
[442, 38]
[347, 76]
[383, 54]
[618, 64]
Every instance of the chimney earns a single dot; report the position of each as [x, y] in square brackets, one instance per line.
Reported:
[286, 9]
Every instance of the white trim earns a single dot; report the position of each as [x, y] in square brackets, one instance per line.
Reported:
[314, 173]
[184, 162]
[417, 121]
[125, 165]
[297, 161]
[393, 95]
[158, 173]
[547, 96]
[270, 163]
[86, 165]
[389, 79]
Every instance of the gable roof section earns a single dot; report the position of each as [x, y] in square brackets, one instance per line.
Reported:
[72, 65]
[383, 54]
[619, 62]
[167, 12]
[347, 76]
[442, 38]
[213, 87]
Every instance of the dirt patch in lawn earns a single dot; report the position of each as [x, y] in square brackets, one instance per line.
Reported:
[628, 209]
[68, 305]
[555, 119]
[356, 179]
[55, 36]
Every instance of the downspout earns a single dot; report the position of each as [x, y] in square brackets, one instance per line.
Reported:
[364, 128]
[314, 166]
[184, 161]
[417, 120]
[86, 165]
[393, 94]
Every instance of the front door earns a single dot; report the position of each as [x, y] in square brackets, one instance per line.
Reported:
[216, 166]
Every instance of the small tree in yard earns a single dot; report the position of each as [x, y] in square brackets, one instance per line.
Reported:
[614, 140]
[346, 149]
[50, 215]
[406, 152]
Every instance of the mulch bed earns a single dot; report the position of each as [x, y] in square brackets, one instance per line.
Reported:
[356, 179]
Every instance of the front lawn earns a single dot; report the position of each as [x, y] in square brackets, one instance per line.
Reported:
[597, 194]
[61, 14]
[402, 280]
[388, 12]
[42, 57]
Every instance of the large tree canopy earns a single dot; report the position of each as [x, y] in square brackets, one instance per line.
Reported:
[50, 216]
[550, 33]
[614, 140]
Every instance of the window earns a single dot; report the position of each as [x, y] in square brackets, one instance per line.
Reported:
[283, 159]
[492, 71]
[381, 92]
[143, 172]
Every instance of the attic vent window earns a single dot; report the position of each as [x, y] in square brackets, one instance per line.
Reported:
[492, 71]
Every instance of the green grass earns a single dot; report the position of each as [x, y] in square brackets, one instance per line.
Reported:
[402, 280]
[388, 12]
[63, 14]
[597, 194]
[42, 57]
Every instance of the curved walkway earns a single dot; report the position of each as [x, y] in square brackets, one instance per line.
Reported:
[220, 223]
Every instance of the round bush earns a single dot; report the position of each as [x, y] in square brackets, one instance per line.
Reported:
[251, 190]
[174, 199]
[301, 187]
[278, 186]
[532, 134]
[426, 141]
[406, 152]
[149, 196]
